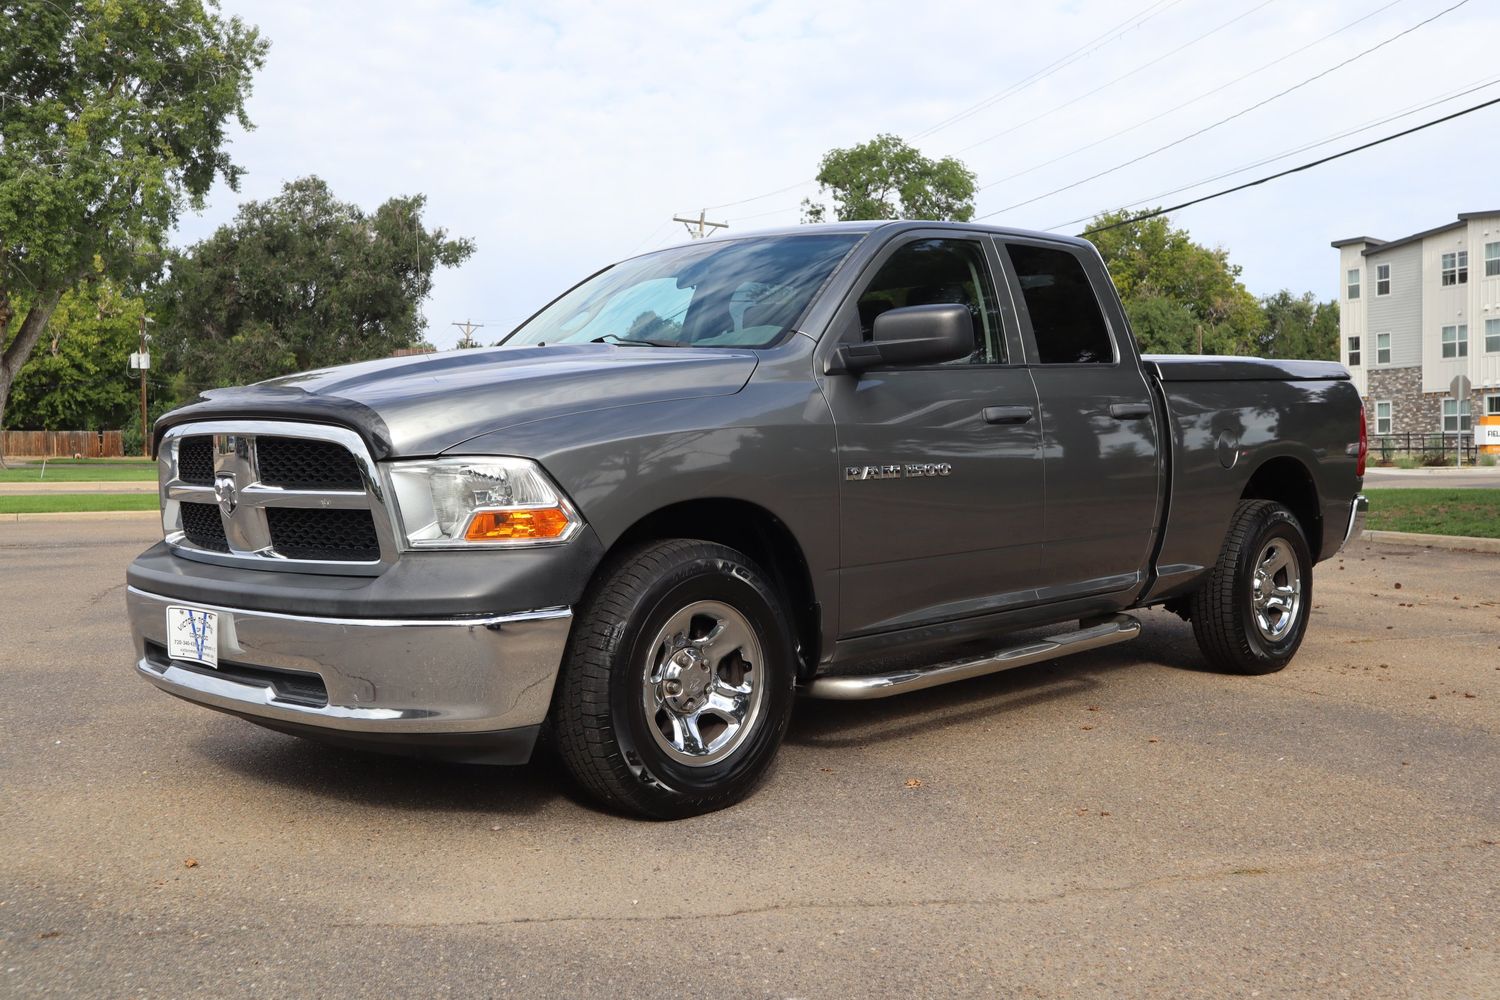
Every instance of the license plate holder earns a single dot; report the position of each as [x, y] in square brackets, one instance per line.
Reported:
[193, 635]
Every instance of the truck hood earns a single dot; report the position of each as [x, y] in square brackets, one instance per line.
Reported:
[426, 404]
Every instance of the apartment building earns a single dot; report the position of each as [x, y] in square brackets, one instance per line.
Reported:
[1414, 313]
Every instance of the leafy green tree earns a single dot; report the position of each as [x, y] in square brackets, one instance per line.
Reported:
[887, 179]
[1150, 260]
[77, 378]
[112, 118]
[299, 281]
[1299, 326]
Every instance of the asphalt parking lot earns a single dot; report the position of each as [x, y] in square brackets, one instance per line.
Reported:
[1119, 824]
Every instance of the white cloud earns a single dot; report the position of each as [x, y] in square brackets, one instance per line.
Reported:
[563, 137]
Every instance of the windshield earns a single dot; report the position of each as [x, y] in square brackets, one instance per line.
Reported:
[744, 293]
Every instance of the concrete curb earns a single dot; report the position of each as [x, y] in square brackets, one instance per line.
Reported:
[1457, 543]
[84, 515]
[44, 489]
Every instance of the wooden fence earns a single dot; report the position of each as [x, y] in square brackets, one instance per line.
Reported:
[62, 444]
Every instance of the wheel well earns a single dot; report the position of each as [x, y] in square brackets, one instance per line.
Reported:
[759, 534]
[1287, 481]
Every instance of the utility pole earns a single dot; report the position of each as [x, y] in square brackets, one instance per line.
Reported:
[141, 361]
[468, 327]
[699, 227]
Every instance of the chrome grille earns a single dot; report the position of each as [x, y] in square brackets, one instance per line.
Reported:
[202, 526]
[195, 460]
[275, 495]
[299, 464]
[305, 533]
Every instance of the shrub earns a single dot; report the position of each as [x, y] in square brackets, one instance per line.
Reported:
[1407, 462]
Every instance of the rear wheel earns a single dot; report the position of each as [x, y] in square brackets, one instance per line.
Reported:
[677, 686]
[1250, 615]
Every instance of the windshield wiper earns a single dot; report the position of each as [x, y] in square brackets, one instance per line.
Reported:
[611, 338]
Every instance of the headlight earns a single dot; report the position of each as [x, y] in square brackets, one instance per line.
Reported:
[463, 502]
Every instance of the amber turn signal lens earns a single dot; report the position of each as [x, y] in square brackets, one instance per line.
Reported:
[517, 525]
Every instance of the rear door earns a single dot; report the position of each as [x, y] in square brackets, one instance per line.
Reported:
[1099, 434]
[940, 469]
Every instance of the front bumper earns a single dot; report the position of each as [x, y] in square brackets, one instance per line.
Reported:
[423, 680]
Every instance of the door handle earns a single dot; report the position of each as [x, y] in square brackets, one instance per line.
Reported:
[1008, 414]
[1129, 411]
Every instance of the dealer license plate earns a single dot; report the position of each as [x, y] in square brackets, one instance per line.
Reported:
[193, 635]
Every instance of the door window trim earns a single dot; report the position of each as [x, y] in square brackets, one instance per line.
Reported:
[848, 308]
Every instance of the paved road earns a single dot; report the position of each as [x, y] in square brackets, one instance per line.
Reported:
[1405, 479]
[1121, 824]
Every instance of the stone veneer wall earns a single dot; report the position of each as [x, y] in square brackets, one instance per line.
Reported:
[1412, 410]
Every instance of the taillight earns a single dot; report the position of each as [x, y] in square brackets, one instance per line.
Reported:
[1364, 442]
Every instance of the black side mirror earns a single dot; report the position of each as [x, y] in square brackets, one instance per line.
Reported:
[915, 335]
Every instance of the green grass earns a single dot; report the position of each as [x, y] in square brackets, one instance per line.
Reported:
[1471, 513]
[44, 503]
[96, 470]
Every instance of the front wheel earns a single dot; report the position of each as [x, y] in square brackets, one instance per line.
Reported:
[678, 682]
[1250, 615]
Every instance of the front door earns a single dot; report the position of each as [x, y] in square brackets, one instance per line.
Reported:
[940, 466]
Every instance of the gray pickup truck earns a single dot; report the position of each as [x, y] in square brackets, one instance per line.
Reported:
[840, 461]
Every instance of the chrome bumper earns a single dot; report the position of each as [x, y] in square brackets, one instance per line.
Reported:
[1357, 511]
[380, 676]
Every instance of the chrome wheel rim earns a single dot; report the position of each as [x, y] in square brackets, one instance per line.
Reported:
[703, 683]
[1276, 590]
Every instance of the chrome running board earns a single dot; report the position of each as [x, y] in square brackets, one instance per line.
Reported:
[1116, 628]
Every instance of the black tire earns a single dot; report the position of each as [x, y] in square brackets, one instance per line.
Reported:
[1231, 634]
[599, 717]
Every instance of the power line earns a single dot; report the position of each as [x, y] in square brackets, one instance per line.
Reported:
[1057, 65]
[1105, 86]
[1222, 121]
[1063, 62]
[653, 235]
[1291, 170]
[1365, 127]
[746, 201]
[1203, 96]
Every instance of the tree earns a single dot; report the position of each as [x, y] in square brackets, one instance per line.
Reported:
[299, 281]
[112, 118]
[77, 379]
[1299, 326]
[1162, 274]
[887, 179]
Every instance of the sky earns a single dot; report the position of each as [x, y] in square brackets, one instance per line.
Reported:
[563, 136]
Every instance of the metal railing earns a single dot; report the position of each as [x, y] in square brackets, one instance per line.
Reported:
[1435, 447]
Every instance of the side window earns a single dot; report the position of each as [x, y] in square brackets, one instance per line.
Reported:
[928, 272]
[1065, 316]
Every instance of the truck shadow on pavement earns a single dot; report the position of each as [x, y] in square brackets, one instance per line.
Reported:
[835, 724]
[381, 780]
[406, 783]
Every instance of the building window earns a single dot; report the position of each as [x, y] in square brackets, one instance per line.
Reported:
[1383, 417]
[1382, 279]
[1456, 268]
[1492, 405]
[1491, 260]
[1492, 335]
[1354, 283]
[1382, 348]
[1455, 415]
[1456, 341]
[1353, 352]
